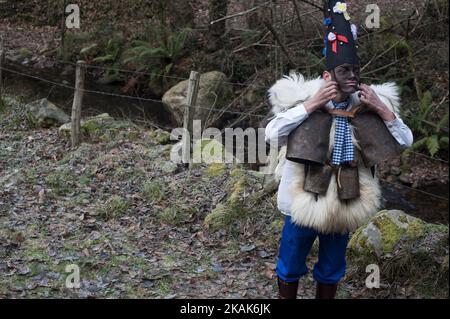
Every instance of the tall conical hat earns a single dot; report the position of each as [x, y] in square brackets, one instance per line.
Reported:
[340, 37]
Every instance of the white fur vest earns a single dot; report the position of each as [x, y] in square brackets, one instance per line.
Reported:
[328, 214]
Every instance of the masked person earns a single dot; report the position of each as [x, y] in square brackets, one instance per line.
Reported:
[334, 131]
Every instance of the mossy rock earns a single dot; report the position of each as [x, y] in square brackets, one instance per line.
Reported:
[386, 230]
[44, 113]
[102, 126]
[159, 137]
[213, 91]
[411, 254]
[245, 192]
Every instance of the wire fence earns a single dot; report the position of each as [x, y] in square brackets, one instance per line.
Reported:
[417, 190]
[246, 114]
[429, 157]
[98, 67]
[127, 96]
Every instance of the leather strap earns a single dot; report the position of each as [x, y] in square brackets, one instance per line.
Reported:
[350, 114]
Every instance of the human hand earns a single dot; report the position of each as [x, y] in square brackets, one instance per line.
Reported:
[326, 93]
[373, 102]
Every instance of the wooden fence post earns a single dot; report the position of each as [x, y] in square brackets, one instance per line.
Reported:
[77, 102]
[193, 87]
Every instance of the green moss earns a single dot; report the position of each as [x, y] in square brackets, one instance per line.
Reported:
[357, 239]
[403, 219]
[239, 181]
[216, 170]
[163, 138]
[236, 194]
[390, 232]
[25, 53]
[220, 217]
[244, 197]
[237, 172]
[415, 229]
[91, 127]
[132, 135]
[257, 197]
[107, 137]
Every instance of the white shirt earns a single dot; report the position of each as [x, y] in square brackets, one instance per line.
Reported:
[279, 128]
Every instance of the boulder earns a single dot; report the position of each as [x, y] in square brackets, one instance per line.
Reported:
[412, 256]
[44, 113]
[213, 92]
[387, 230]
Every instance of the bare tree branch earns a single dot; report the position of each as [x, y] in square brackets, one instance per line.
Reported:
[277, 38]
[241, 13]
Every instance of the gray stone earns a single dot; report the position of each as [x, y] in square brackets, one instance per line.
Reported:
[395, 170]
[213, 92]
[405, 178]
[385, 230]
[46, 114]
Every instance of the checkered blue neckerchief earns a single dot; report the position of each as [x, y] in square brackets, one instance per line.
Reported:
[343, 150]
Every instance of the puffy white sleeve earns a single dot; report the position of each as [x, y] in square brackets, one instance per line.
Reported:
[389, 95]
[279, 128]
[400, 131]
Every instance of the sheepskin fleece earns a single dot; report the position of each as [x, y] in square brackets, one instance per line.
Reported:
[328, 214]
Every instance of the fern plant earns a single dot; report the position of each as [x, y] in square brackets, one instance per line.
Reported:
[112, 51]
[434, 136]
[158, 60]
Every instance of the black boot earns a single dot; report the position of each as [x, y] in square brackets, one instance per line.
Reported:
[324, 291]
[287, 290]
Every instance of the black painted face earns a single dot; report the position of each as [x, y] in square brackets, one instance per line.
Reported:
[347, 76]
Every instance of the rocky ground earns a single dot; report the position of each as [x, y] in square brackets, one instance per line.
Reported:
[139, 226]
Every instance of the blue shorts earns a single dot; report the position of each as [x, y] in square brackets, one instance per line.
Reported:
[296, 243]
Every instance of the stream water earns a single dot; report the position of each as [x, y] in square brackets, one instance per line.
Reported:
[93, 103]
[418, 202]
[415, 202]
